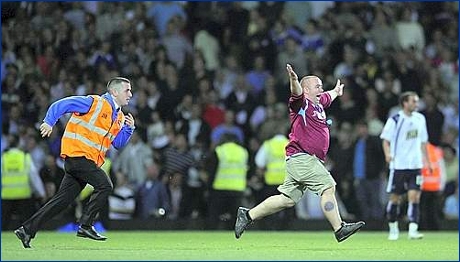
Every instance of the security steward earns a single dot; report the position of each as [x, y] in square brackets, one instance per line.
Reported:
[96, 124]
[21, 184]
[270, 160]
[227, 166]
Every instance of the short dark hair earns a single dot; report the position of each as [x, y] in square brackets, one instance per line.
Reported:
[13, 141]
[229, 137]
[404, 97]
[117, 80]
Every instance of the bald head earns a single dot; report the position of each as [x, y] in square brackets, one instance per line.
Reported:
[309, 81]
[312, 87]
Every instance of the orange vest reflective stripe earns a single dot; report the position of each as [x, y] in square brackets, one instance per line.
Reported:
[90, 135]
[433, 181]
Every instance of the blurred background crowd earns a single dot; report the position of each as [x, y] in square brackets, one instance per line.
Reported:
[203, 70]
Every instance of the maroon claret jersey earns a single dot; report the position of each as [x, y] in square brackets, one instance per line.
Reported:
[309, 131]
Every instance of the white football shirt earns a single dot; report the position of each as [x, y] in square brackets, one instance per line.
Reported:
[406, 135]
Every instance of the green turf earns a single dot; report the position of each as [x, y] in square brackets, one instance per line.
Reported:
[222, 245]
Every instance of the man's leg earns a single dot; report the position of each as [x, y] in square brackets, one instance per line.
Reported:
[330, 209]
[271, 205]
[392, 213]
[7, 210]
[68, 191]
[413, 214]
[102, 189]
[87, 171]
[376, 207]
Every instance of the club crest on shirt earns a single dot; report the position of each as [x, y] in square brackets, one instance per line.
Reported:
[320, 114]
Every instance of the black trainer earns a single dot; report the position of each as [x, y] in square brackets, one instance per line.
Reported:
[90, 233]
[347, 230]
[242, 221]
[23, 236]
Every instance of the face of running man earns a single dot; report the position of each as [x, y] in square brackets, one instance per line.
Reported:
[123, 95]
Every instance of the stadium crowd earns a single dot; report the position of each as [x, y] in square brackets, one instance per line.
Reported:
[203, 70]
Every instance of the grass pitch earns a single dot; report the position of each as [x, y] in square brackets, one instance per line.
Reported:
[222, 245]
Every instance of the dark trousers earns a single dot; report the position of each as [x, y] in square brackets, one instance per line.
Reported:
[368, 197]
[193, 201]
[222, 208]
[430, 210]
[79, 171]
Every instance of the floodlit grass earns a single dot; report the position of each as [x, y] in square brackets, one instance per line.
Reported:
[222, 245]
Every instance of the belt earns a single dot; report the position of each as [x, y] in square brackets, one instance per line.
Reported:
[75, 158]
[296, 154]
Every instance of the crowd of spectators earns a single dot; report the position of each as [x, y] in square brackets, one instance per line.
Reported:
[203, 69]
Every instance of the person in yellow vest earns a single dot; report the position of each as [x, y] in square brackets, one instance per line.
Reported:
[271, 162]
[227, 168]
[96, 124]
[21, 183]
[433, 182]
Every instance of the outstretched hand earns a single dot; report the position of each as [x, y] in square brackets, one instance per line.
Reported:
[45, 129]
[291, 72]
[339, 88]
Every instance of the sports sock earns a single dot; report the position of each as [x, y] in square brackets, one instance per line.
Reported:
[392, 212]
[412, 212]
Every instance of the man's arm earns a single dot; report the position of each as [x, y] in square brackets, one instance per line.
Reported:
[122, 138]
[71, 104]
[296, 89]
[337, 91]
[386, 150]
[426, 157]
[125, 133]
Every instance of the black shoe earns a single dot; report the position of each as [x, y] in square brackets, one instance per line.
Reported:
[90, 233]
[23, 236]
[242, 221]
[347, 230]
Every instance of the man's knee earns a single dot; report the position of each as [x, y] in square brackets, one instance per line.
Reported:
[108, 187]
[287, 201]
[414, 196]
[105, 187]
[330, 191]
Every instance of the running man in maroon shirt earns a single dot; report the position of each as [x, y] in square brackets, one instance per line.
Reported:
[305, 154]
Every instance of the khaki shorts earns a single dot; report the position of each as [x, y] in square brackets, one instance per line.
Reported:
[305, 172]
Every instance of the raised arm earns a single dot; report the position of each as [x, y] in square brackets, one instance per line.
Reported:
[337, 91]
[296, 89]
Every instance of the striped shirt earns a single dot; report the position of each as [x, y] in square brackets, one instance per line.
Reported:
[177, 162]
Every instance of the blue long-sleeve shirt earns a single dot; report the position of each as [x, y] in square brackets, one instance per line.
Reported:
[82, 104]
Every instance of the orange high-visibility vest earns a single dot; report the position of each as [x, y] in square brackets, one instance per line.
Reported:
[434, 181]
[90, 135]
